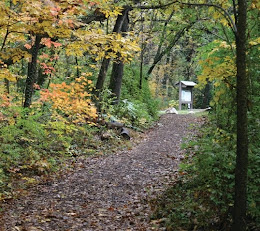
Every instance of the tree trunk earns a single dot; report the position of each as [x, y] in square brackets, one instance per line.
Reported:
[142, 53]
[116, 79]
[105, 63]
[239, 215]
[141, 67]
[7, 86]
[118, 67]
[77, 67]
[32, 72]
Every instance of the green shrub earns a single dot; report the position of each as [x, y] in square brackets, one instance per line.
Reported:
[133, 113]
[34, 142]
[174, 103]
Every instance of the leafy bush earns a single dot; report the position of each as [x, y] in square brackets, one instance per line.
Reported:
[137, 106]
[133, 113]
[174, 103]
[34, 141]
[144, 103]
[71, 101]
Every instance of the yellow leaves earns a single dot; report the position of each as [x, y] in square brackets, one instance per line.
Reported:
[255, 4]
[112, 12]
[29, 180]
[5, 73]
[216, 15]
[16, 54]
[59, 19]
[214, 70]
[224, 44]
[254, 42]
[97, 43]
[218, 68]
[15, 1]
[224, 21]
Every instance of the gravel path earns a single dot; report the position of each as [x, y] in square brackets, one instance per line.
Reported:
[106, 192]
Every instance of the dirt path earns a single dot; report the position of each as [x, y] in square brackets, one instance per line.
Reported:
[106, 192]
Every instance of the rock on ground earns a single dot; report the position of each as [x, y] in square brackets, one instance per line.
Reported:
[105, 192]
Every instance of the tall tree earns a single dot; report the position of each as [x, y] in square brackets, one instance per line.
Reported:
[118, 67]
[239, 215]
[105, 63]
[241, 169]
[32, 72]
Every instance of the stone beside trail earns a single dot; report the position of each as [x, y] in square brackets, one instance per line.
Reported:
[105, 192]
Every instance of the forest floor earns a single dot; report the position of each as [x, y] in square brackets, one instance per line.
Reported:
[106, 192]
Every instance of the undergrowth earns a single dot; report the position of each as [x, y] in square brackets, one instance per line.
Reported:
[40, 140]
[202, 197]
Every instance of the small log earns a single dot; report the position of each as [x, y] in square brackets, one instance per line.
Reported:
[114, 125]
[125, 133]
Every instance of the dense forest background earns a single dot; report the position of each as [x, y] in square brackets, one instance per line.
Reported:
[70, 67]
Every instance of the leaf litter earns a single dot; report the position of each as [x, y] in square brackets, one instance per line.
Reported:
[106, 192]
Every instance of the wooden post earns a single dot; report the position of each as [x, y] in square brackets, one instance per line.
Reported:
[191, 104]
[180, 99]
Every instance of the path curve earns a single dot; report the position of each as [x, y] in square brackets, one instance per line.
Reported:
[105, 192]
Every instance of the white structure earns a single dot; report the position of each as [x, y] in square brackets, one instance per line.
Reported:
[185, 93]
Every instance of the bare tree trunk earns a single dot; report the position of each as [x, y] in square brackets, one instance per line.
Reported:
[6, 81]
[77, 65]
[32, 72]
[116, 79]
[118, 67]
[7, 86]
[142, 53]
[240, 206]
[141, 68]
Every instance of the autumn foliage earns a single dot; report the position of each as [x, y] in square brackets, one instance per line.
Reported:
[71, 101]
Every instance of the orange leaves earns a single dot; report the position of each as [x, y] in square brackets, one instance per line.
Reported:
[48, 43]
[46, 62]
[36, 86]
[47, 69]
[71, 101]
[5, 100]
[28, 46]
[55, 11]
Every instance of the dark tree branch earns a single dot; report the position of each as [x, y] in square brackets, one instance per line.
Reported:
[225, 13]
[168, 49]
[160, 6]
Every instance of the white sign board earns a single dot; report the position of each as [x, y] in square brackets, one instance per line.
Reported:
[186, 95]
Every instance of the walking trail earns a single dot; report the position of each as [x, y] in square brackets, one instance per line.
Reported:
[105, 192]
